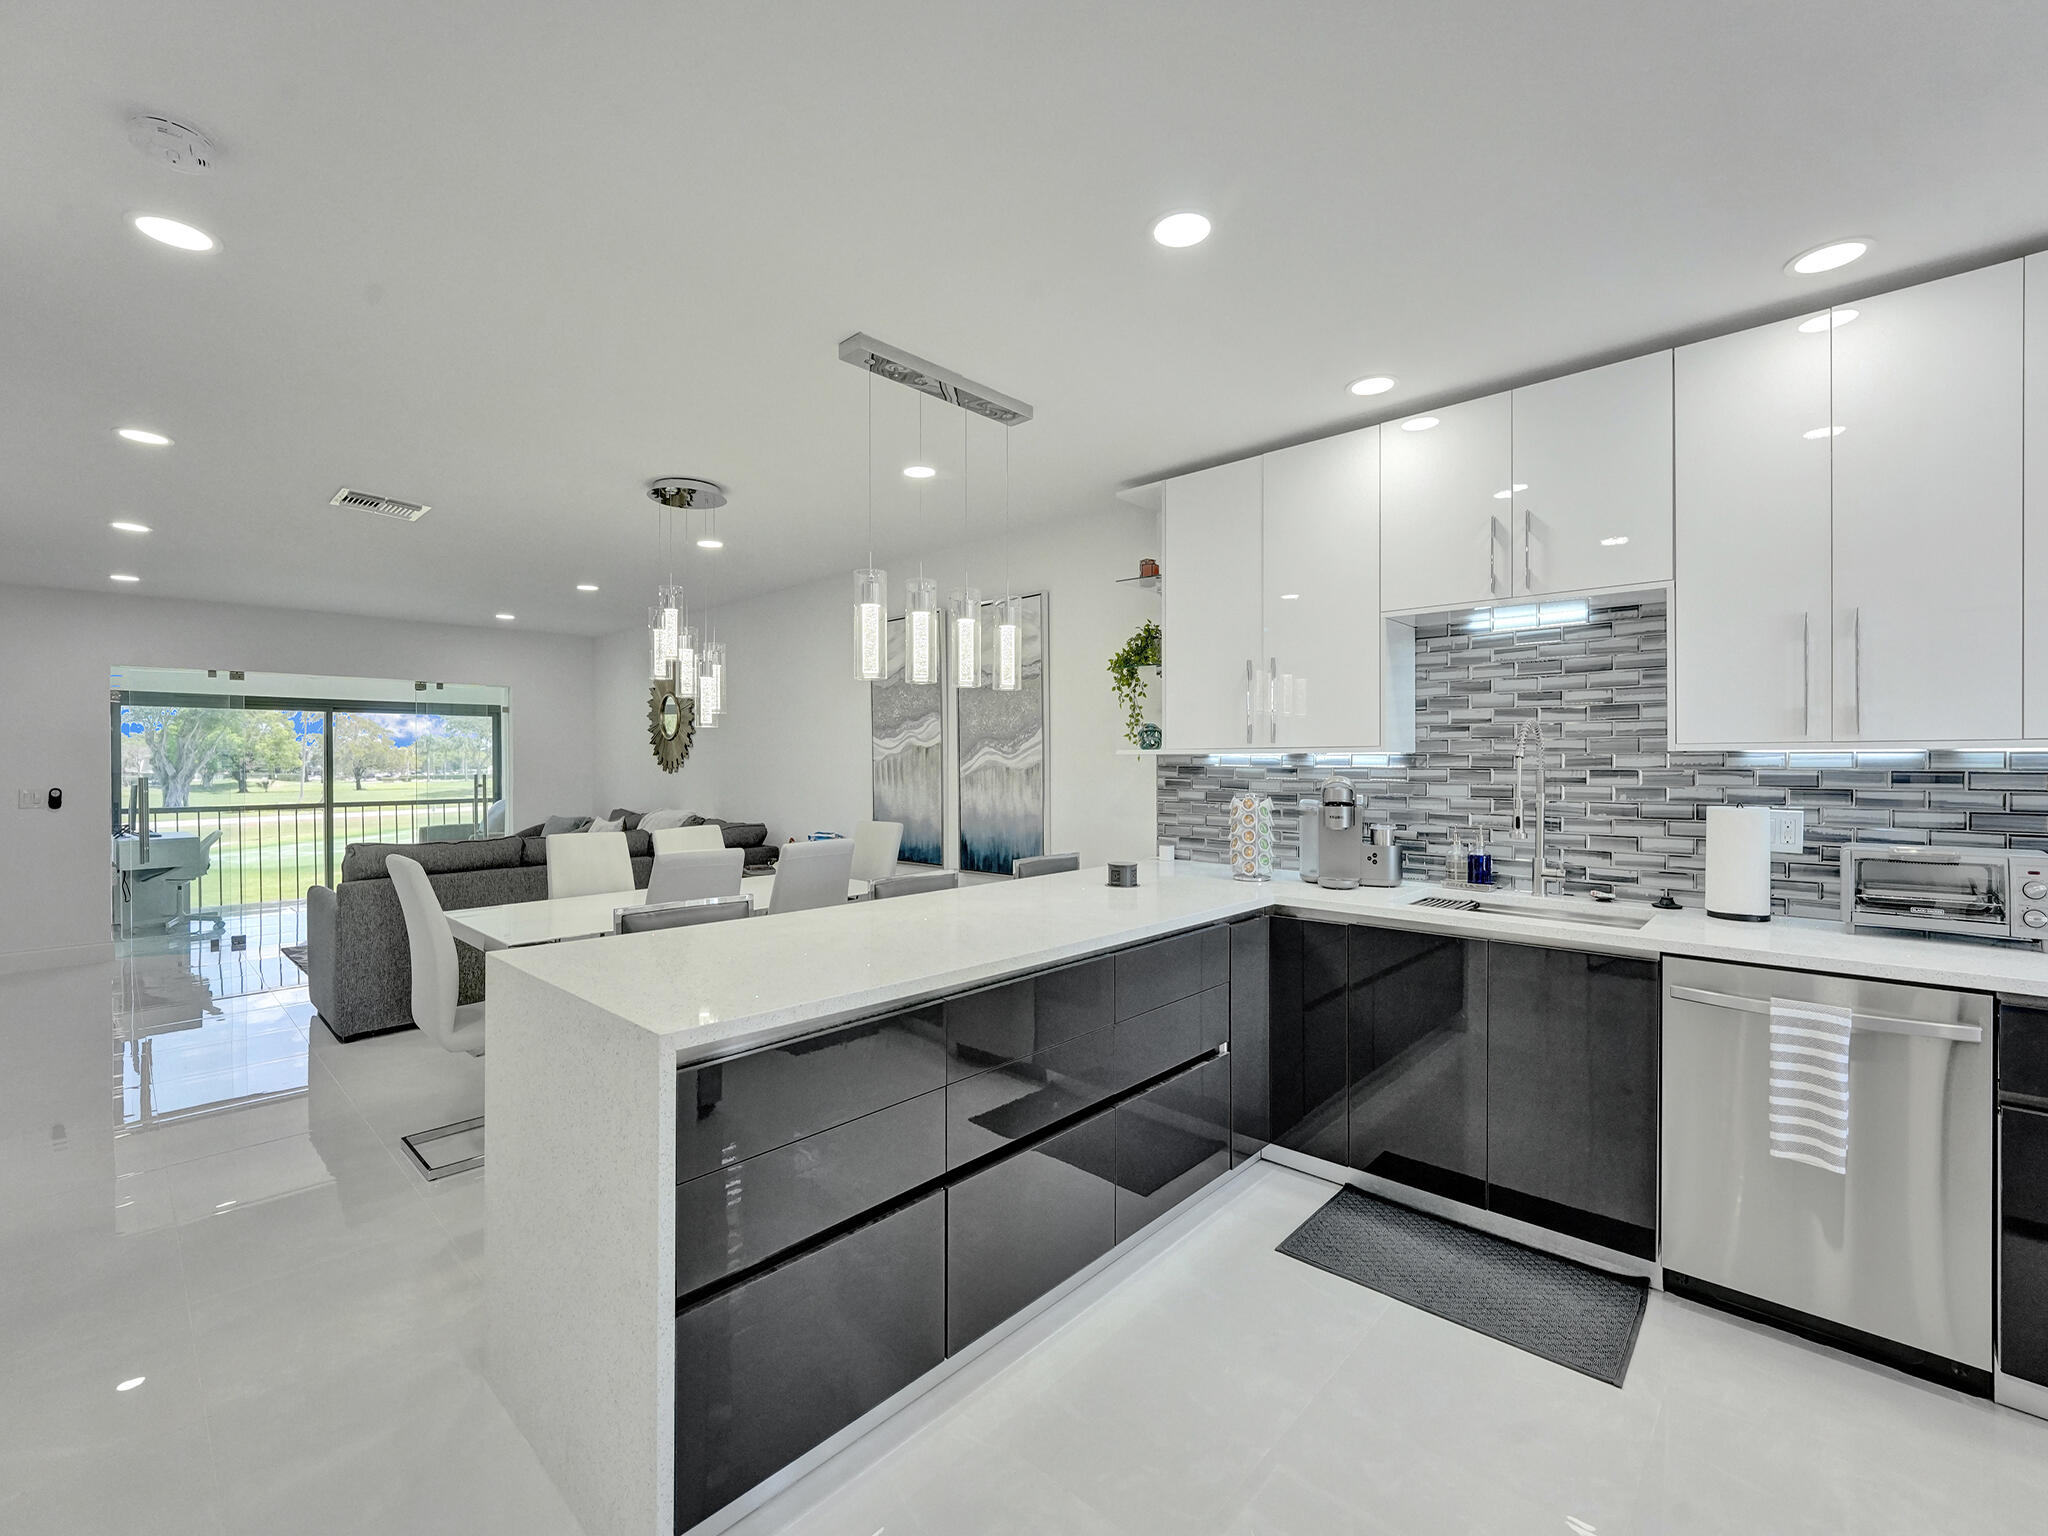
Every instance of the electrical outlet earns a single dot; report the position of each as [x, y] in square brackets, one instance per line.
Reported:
[1788, 831]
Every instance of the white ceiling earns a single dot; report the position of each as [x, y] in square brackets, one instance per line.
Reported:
[515, 261]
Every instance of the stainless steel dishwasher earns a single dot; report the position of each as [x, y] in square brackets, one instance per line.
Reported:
[1892, 1258]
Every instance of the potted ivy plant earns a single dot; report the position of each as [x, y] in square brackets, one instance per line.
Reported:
[1131, 671]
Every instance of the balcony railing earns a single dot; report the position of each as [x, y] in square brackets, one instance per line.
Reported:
[271, 853]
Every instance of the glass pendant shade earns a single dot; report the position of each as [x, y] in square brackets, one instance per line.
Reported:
[1009, 645]
[659, 657]
[967, 638]
[686, 662]
[923, 642]
[870, 625]
[711, 685]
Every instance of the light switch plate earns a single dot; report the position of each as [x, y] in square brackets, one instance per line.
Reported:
[29, 800]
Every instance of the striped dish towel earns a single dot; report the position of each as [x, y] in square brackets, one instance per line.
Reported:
[1810, 1083]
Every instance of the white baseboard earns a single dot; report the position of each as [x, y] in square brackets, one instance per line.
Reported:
[1540, 1238]
[21, 961]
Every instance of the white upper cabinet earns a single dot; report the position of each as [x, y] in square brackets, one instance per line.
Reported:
[2036, 573]
[1210, 640]
[1443, 535]
[1750, 616]
[1323, 645]
[1592, 479]
[1927, 512]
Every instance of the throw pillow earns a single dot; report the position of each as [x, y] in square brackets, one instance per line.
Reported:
[654, 821]
[630, 818]
[555, 825]
[599, 824]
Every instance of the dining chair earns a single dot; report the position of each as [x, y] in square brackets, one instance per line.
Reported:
[587, 864]
[875, 846]
[912, 885]
[1045, 864]
[453, 1027]
[694, 876]
[700, 839]
[813, 874]
[651, 919]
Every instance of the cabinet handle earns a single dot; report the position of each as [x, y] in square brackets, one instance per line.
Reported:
[1493, 535]
[1528, 536]
[1272, 700]
[1247, 701]
[1806, 674]
[1856, 663]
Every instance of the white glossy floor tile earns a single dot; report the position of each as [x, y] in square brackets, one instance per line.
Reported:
[202, 1189]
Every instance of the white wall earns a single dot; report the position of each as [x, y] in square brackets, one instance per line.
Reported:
[793, 749]
[55, 651]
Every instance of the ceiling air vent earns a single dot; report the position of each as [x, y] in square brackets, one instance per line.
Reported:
[383, 506]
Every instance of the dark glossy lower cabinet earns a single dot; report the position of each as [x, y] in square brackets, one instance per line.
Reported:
[1171, 1140]
[2023, 1244]
[1018, 1228]
[1417, 1021]
[1251, 1013]
[771, 1367]
[1306, 1038]
[1572, 1084]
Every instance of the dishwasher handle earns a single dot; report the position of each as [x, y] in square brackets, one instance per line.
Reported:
[1876, 1023]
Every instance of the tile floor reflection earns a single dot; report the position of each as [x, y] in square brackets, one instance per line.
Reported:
[237, 1232]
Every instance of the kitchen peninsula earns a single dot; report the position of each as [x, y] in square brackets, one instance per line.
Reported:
[752, 1182]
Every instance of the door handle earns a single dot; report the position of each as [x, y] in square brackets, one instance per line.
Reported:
[1856, 665]
[1528, 537]
[1247, 701]
[1806, 674]
[1493, 537]
[1871, 1023]
[1272, 700]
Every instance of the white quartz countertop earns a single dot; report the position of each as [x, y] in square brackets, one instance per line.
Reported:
[725, 987]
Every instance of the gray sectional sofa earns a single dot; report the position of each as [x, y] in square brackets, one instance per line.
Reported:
[358, 965]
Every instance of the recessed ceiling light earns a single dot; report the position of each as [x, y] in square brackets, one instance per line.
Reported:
[1825, 258]
[144, 436]
[586, 586]
[121, 576]
[1819, 432]
[710, 543]
[1510, 491]
[1373, 384]
[1619, 538]
[124, 527]
[1289, 597]
[130, 1384]
[1420, 424]
[505, 618]
[1828, 321]
[919, 471]
[1180, 230]
[171, 232]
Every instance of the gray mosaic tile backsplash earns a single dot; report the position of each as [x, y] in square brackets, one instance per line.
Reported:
[1625, 811]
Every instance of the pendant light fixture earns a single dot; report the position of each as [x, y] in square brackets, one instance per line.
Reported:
[1009, 674]
[711, 659]
[871, 585]
[967, 599]
[672, 648]
[923, 644]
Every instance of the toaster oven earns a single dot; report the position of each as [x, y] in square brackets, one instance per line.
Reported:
[1986, 893]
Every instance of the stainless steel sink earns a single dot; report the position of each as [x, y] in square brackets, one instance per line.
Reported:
[1544, 909]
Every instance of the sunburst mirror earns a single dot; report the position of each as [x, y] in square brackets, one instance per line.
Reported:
[671, 724]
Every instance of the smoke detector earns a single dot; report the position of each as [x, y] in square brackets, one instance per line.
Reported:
[168, 142]
[381, 506]
[686, 493]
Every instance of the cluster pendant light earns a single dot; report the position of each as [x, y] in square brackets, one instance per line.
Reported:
[692, 664]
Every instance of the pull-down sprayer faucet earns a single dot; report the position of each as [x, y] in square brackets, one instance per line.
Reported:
[1528, 733]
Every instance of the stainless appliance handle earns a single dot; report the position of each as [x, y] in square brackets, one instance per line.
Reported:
[1247, 701]
[1528, 536]
[1272, 700]
[1493, 532]
[1876, 1023]
[1806, 673]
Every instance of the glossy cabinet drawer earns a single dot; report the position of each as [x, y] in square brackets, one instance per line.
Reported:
[1166, 970]
[780, 1362]
[1171, 1140]
[1165, 1038]
[1018, 1228]
[2023, 1049]
[735, 1217]
[2023, 1245]
[1018, 1019]
[730, 1110]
